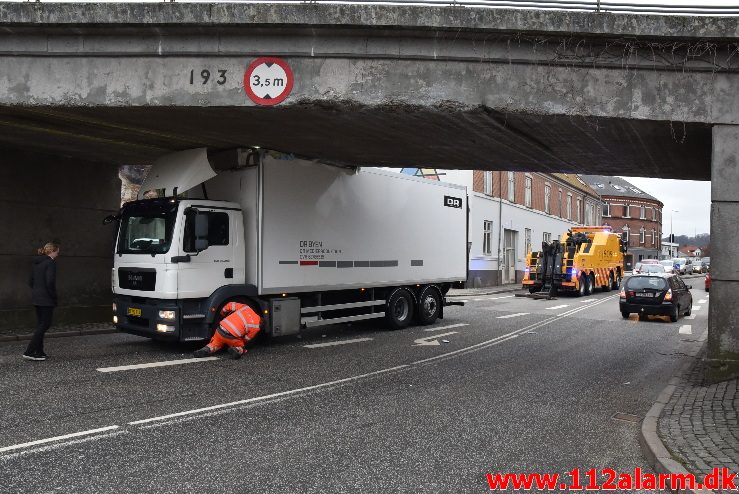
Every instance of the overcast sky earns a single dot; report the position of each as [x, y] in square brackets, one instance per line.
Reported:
[692, 200]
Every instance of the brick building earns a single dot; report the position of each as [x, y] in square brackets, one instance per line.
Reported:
[626, 208]
[513, 212]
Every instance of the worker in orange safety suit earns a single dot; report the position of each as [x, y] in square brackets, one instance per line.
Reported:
[240, 324]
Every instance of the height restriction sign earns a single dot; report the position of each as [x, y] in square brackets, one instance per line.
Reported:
[268, 81]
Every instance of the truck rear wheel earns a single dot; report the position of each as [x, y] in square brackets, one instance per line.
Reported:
[609, 283]
[582, 285]
[399, 309]
[429, 306]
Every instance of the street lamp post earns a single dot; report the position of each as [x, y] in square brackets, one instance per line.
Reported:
[672, 239]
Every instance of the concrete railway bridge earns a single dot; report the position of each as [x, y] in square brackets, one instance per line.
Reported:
[83, 90]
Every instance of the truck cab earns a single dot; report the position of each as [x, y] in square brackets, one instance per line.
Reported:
[169, 253]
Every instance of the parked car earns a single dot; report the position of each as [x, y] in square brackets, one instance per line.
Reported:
[642, 268]
[699, 267]
[706, 262]
[668, 265]
[682, 265]
[655, 294]
[708, 281]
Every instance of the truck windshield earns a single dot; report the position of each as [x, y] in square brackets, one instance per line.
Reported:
[146, 226]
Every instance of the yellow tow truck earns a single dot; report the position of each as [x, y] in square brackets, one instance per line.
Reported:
[583, 259]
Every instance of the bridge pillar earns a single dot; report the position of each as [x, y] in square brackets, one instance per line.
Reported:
[47, 198]
[723, 315]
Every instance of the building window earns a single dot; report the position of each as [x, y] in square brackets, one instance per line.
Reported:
[511, 187]
[641, 235]
[527, 234]
[560, 203]
[547, 237]
[487, 238]
[654, 241]
[527, 194]
[654, 214]
[643, 213]
[487, 186]
[577, 213]
[569, 206]
[628, 234]
[627, 210]
[606, 209]
[547, 193]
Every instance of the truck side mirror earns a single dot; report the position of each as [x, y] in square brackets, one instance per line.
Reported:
[201, 232]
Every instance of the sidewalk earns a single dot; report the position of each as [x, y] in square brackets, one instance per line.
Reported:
[693, 426]
[58, 331]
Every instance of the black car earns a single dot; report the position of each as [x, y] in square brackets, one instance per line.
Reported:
[655, 294]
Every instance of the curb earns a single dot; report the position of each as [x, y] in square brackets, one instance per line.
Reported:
[657, 455]
[58, 334]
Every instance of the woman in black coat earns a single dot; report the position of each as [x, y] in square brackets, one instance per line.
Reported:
[43, 297]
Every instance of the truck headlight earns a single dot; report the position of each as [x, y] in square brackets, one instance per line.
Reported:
[115, 308]
[165, 328]
[115, 319]
[166, 314]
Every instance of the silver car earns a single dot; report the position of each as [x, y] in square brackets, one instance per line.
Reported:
[668, 264]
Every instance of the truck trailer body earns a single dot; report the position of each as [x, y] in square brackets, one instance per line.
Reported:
[583, 259]
[304, 243]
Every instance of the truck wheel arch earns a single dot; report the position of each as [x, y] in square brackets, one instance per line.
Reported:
[227, 294]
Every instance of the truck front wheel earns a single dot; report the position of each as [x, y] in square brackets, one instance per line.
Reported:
[399, 309]
[429, 306]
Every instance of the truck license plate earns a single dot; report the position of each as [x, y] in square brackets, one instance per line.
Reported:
[133, 311]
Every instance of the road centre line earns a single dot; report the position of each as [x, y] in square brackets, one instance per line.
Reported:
[268, 397]
[56, 438]
[691, 316]
[163, 363]
[702, 301]
[450, 326]
[513, 315]
[265, 398]
[697, 307]
[335, 343]
[686, 329]
[513, 334]
[558, 307]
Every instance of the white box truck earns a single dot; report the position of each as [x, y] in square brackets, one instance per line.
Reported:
[304, 243]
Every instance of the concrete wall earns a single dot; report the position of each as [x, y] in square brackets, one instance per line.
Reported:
[50, 198]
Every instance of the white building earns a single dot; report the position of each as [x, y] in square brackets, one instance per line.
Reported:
[532, 208]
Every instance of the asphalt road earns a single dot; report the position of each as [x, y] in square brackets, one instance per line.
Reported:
[518, 385]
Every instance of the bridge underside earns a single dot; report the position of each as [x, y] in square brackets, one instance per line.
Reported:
[387, 135]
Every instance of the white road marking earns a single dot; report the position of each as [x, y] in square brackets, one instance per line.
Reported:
[498, 298]
[335, 343]
[164, 363]
[508, 336]
[686, 329]
[449, 326]
[431, 340]
[588, 300]
[691, 316]
[266, 397]
[702, 301]
[463, 301]
[57, 438]
[698, 307]
[558, 307]
[708, 296]
[513, 315]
